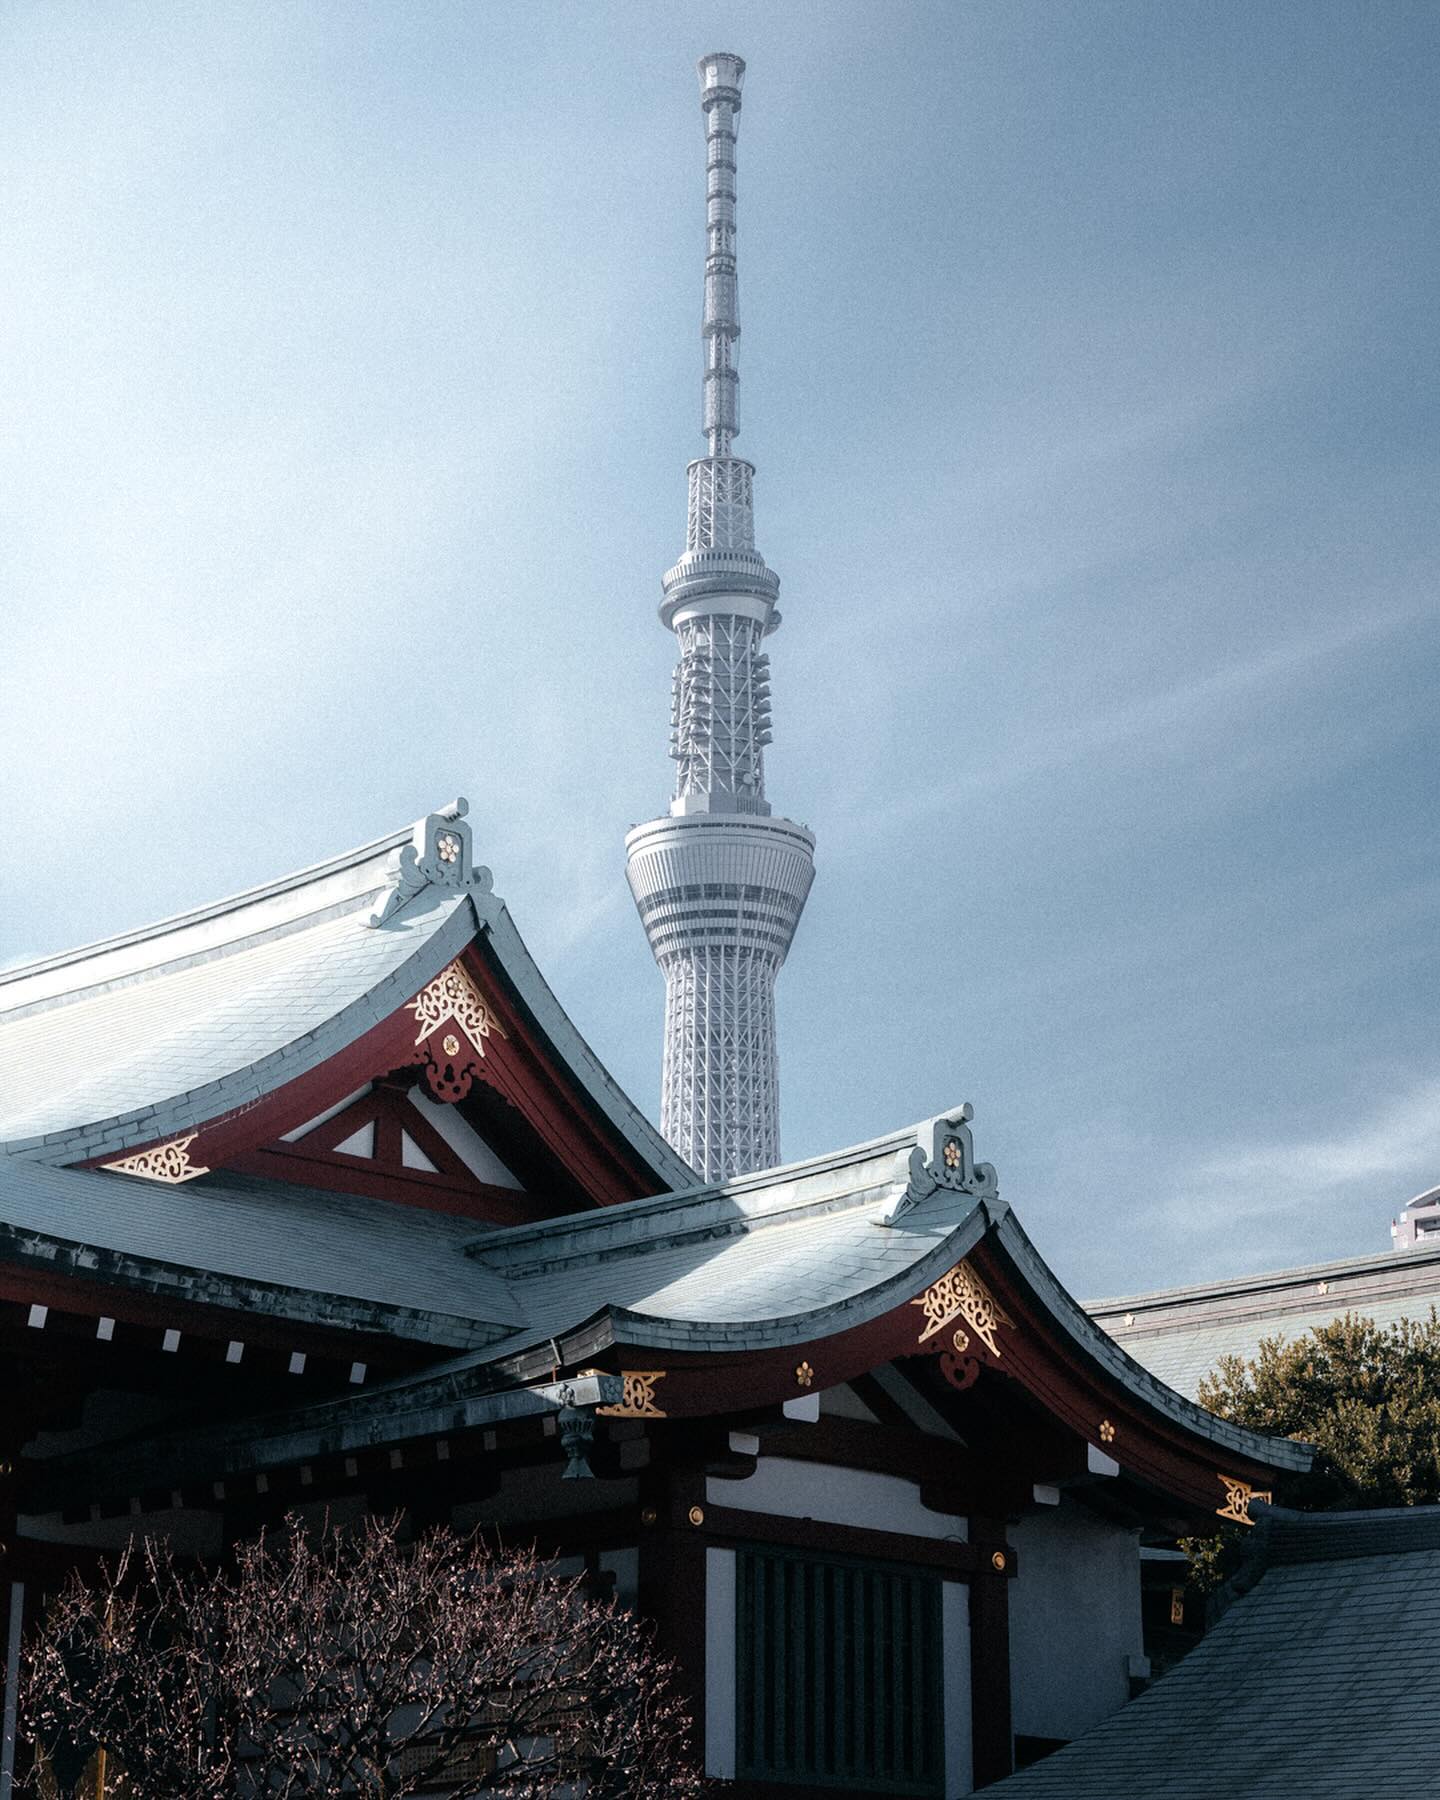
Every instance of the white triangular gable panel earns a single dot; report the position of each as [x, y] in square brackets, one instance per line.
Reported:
[844, 1403]
[413, 1157]
[359, 1143]
[913, 1403]
[465, 1141]
[324, 1118]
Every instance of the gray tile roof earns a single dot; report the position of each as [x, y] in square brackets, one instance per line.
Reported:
[1305, 1690]
[765, 1253]
[170, 1047]
[152, 1034]
[259, 1246]
[1181, 1333]
[148, 1035]
[771, 1259]
[791, 1254]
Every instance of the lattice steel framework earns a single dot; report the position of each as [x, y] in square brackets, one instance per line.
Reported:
[719, 883]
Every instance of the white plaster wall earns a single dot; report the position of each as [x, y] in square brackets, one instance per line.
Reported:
[955, 1638]
[720, 1664]
[464, 1140]
[1074, 1620]
[792, 1489]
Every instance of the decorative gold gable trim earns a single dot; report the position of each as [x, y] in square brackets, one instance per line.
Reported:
[166, 1162]
[453, 996]
[1238, 1495]
[961, 1294]
[638, 1399]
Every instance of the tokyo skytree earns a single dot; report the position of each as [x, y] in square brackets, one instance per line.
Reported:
[720, 883]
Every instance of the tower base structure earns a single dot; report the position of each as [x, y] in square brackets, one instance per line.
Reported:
[720, 897]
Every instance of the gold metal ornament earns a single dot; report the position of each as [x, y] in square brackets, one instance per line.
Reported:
[961, 1294]
[637, 1399]
[1238, 1495]
[166, 1162]
[453, 998]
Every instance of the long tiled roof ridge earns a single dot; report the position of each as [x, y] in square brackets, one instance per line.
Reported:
[1289, 1536]
[763, 1197]
[715, 1220]
[1106, 1352]
[107, 982]
[1267, 1281]
[215, 909]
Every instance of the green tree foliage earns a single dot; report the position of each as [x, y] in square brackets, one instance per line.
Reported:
[1366, 1396]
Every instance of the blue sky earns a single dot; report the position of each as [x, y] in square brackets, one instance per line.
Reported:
[347, 378]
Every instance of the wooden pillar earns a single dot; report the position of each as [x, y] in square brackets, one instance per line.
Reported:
[992, 1734]
[672, 1581]
[12, 1625]
[12, 1611]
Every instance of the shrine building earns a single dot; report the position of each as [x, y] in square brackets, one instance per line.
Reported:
[315, 1199]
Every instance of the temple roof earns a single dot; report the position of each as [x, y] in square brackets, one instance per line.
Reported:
[758, 1259]
[164, 1100]
[816, 1253]
[1181, 1333]
[149, 1035]
[256, 1246]
[1305, 1687]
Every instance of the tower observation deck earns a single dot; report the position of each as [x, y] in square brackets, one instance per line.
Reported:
[719, 883]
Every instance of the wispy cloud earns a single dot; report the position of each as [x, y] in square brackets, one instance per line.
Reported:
[1398, 1139]
[1163, 715]
[1391, 1151]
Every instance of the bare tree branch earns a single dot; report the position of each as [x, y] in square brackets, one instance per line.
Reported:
[348, 1662]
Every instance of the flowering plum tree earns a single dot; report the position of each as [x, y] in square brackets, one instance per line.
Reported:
[348, 1663]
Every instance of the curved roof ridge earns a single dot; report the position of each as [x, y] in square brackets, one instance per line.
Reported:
[215, 909]
[780, 1184]
[1096, 1343]
[525, 976]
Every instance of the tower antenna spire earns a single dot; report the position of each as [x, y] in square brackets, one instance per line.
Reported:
[721, 79]
[719, 883]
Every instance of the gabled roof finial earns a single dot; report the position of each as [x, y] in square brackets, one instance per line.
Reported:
[438, 855]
